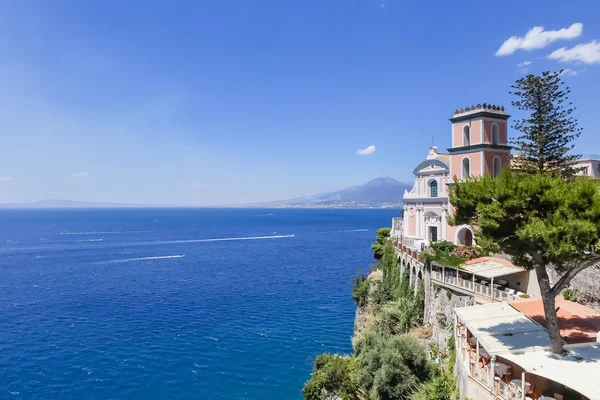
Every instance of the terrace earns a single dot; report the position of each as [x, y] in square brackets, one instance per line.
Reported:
[502, 353]
[488, 279]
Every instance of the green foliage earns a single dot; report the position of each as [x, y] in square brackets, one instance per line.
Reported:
[404, 288]
[569, 294]
[397, 317]
[383, 234]
[443, 252]
[419, 302]
[441, 387]
[360, 289]
[542, 221]
[392, 368]
[528, 216]
[435, 348]
[391, 276]
[333, 375]
[549, 129]
[451, 354]
[378, 294]
[448, 293]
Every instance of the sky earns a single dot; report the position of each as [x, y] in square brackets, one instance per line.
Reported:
[230, 102]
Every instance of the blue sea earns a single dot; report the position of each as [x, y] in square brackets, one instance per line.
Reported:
[175, 303]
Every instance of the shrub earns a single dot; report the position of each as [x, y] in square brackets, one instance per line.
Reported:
[383, 234]
[379, 294]
[451, 354]
[443, 252]
[332, 376]
[392, 368]
[569, 294]
[397, 317]
[466, 252]
[441, 387]
[360, 290]
[435, 348]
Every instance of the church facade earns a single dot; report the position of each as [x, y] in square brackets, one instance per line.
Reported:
[479, 146]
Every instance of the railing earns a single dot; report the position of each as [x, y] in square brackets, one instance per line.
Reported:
[501, 295]
[475, 288]
[465, 283]
[591, 156]
[483, 290]
[481, 374]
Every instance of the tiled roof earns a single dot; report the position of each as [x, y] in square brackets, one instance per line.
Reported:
[578, 323]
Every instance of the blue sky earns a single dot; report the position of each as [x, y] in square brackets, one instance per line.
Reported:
[221, 102]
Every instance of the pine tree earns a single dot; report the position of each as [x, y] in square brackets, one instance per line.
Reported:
[542, 220]
[549, 129]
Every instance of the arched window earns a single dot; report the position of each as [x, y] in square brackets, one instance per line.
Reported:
[497, 166]
[433, 189]
[495, 134]
[466, 135]
[466, 168]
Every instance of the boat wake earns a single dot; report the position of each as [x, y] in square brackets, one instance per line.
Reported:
[103, 233]
[124, 260]
[356, 230]
[225, 239]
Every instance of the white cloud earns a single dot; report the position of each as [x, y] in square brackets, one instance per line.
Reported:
[6, 178]
[537, 38]
[568, 72]
[366, 151]
[524, 64]
[588, 53]
[79, 174]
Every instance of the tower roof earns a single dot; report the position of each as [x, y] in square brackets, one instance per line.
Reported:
[479, 110]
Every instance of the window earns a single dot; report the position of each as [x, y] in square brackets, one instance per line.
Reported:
[495, 134]
[466, 168]
[466, 135]
[433, 189]
[497, 166]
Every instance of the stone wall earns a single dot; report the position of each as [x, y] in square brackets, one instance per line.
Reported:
[439, 305]
[586, 286]
[439, 301]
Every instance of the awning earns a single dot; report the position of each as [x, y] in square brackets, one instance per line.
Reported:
[501, 329]
[491, 267]
[578, 369]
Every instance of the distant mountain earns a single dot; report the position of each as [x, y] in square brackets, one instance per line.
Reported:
[52, 203]
[380, 192]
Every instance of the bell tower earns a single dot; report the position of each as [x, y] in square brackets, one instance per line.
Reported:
[479, 141]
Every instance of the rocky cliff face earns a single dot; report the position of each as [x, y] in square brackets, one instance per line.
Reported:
[586, 286]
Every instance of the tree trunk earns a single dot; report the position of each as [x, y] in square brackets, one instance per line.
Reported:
[549, 301]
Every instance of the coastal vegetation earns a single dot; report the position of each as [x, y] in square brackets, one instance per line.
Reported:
[538, 212]
[333, 376]
[383, 234]
[447, 253]
[389, 361]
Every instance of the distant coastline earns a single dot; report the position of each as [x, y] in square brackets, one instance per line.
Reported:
[326, 206]
[33, 206]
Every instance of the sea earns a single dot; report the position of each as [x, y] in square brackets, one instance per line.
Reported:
[176, 303]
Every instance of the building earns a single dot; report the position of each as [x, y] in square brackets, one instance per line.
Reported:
[479, 146]
[502, 346]
[502, 352]
[589, 166]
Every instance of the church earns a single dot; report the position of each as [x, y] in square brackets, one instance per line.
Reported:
[479, 146]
